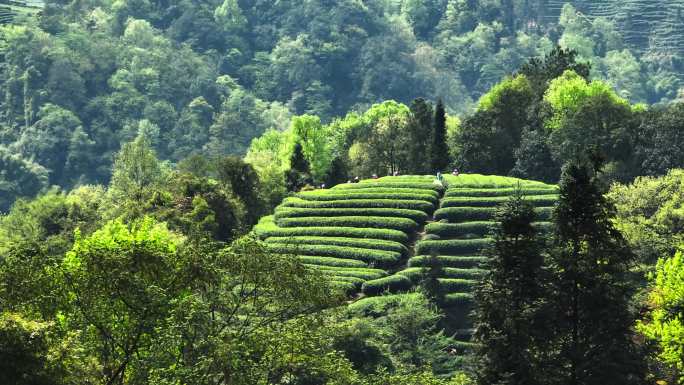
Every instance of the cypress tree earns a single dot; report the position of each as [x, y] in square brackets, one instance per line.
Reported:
[299, 173]
[419, 130]
[298, 162]
[509, 309]
[590, 261]
[439, 152]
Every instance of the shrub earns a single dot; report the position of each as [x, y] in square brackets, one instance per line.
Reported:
[345, 287]
[458, 299]
[477, 229]
[416, 274]
[495, 192]
[391, 284]
[456, 284]
[353, 280]
[376, 244]
[376, 306]
[403, 224]
[465, 214]
[535, 200]
[330, 261]
[351, 232]
[425, 206]
[346, 195]
[408, 178]
[489, 181]
[344, 189]
[453, 246]
[294, 212]
[432, 237]
[449, 261]
[365, 274]
[460, 230]
[369, 183]
[366, 255]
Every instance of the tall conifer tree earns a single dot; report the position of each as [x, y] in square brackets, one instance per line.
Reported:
[509, 306]
[590, 261]
[299, 173]
[439, 151]
[419, 130]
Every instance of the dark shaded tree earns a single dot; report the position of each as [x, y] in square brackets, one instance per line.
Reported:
[661, 140]
[489, 137]
[241, 178]
[419, 132]
[299, 173]
[431, 272]
[338, 172]
[540, 71]
[438, 151]
[534, 160]
[509, 306]
[590, 297]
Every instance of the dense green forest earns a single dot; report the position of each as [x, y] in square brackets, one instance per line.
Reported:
[81, 78]
[380, 192]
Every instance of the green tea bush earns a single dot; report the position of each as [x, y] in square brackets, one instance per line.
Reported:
[494, 192]
[452, 285]
[535, 200]
[345, 189]
[351, 232]
[489, 181]
[448, 261]
[369, 183]
[330, 261]
[294, 212]
[345, 287]
[403, 224]
[391, 284]
[466, 214]
[452, 246]
[346, 195]
[458, 299]
[379, 257]
[376, 244]
[353, 280]
[365, 274]
[407, 178]
[416, 274]
[478, 229]
[376, 306]
[424, 206]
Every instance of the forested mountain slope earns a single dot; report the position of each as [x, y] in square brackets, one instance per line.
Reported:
[206, 77]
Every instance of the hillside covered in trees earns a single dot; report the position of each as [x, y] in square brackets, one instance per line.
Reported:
[380, 192]
[81, 78]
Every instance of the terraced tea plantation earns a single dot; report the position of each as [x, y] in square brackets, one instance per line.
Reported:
[377, 238]
[9, 9]
[357, 234]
